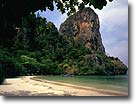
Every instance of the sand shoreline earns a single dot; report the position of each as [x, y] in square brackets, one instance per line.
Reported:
[32, 86]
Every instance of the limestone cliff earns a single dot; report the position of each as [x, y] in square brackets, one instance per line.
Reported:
[84, 26]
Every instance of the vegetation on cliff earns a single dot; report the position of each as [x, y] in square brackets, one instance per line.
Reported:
[39, 49]
[30, 45]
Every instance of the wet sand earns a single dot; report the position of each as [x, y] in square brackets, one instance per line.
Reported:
[32, 86]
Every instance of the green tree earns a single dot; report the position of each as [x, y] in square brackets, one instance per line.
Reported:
[36, 33]
[7, 64]
[12, 12]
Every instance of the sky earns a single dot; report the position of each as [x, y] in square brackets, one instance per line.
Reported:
[113, 27]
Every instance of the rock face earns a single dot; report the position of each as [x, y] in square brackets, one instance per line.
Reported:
[84, 26]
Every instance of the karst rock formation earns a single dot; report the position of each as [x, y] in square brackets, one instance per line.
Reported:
[84, 26]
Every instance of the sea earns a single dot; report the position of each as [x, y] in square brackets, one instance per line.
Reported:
[116, 83]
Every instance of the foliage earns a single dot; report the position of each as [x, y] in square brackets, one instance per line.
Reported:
[13, 11]
[7, 64]
[40, 50]
[30, 45]
[24, 7]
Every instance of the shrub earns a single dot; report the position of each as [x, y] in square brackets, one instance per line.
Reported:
[7, 64]
[49, 67]
[30, 66]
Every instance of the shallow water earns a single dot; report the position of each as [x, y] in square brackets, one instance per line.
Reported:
[117, 83]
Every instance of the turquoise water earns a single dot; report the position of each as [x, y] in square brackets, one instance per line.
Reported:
[117, 83]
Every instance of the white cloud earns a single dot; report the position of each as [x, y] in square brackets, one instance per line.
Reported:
[119, 50]
[60, 20]
[114, 14]
[114, 28]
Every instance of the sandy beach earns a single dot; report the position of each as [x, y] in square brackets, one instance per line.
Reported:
[32, 86]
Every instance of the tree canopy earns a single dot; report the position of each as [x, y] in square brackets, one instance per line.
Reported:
[38, 49]
[30, 45]
[13, 10]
